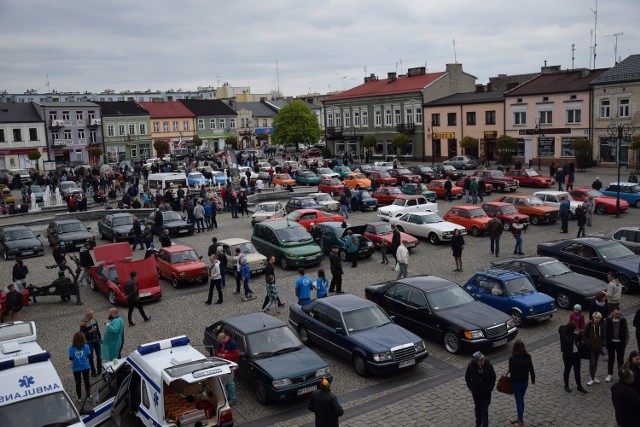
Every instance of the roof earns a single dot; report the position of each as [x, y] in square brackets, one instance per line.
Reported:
[213, 107]
[346, 302]
[254, 322]
[70, 105]
[402, 84]
[19, 113]
[234, 241]
[166, 109]
[278, 104]
[625, 71]
[121, 108]
[469, 98]
[560, 82]
[259, 109]
[177, 248]
[427, 283]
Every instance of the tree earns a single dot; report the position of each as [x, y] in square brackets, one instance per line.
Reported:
[369, 142]
[582, 148]
[231, 141]
[296, 124]
[161, 146]
[506, 144]
[197, 141]
[400, 141]
[469, 143]
[34, 155]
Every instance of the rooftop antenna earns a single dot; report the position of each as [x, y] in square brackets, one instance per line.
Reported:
[401, 66]
[278, 78]
[48, 85]
[615, 49]
[595, 33]
[455, 55]
[573, 55]
[218, 79]
[365, 71]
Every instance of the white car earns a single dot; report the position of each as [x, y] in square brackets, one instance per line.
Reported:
[382, 166]
[243, 172]
[554, 197]
[268, 210]
[406, 204]
[264, 173]
[428, 225]
[327, 173]
[326, 201]
[257, 261]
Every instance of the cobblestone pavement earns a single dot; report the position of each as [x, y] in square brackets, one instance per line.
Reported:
[432, 393]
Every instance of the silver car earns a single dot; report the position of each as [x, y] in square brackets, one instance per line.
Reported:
[628, 236]
[462, 162]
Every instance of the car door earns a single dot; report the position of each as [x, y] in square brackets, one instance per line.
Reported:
[107, 226]
[163, 263]
[490, 291]
[121, 411]
[245, 361]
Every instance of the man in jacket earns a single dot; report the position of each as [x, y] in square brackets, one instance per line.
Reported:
[614, 291]
[19, 273]
[222, 257]
[325, 405]
[136, 230]
[198, 214]
[516, 230]
[481, 379]
[89, 327]
[213, 247]
[158, 220]
[495, 231]
[215, 277]
[402, 257]
[165, 239]
[270, 271]
[14, 302]
[133, 298]
[448, 186]
[565, 212]
[86, 261]
[626, 399]
[60, 255]
[616, 333]
[113, 338]
[467, 189]
[227, 348]
[395, 241]
[335, 264]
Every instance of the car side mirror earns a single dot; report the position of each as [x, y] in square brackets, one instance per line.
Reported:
[340, 331]
[37, 235]
[88, 228]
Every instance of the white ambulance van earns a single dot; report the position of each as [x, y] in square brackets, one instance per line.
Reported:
[31, 393]
[164, 383]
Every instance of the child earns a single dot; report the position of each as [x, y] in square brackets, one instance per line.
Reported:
[383, 251]
[272, 293]
[322, 284]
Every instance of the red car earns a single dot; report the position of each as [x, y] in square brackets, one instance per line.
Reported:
[488, 188]
[506, 212]
[473, 218]
[114, 270]
[333, 186]
[381, 178]
[437, 186]
[3, 300]
[386, 195]
[306, 217]
[531, 178]
[604, 204]
[381, 230]
[404, 175]
[498, 180]
[181, 264]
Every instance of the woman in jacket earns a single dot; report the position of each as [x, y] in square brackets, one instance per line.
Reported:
[456, 246]
[570, 337]
[594, 335]
[520, 367]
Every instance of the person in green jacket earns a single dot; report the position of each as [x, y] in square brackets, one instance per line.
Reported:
[113, 336]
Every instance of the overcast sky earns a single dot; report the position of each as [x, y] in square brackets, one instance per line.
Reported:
[319, 46]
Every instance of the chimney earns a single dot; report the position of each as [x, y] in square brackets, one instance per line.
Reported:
[391, 77]
[416, 71]
[232, 102]
[479, 88]
[584, 73]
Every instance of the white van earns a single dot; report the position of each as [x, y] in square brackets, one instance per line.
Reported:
[162, 181]
[32, 393]
[164, 383]
[25, 178]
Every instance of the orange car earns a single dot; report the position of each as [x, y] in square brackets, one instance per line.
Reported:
[534, 207]
[283, 179]
[473, 218]
[437, 185]
[357, 179]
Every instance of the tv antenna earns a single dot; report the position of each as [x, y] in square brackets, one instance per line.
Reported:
[573, 55]
[455, 54]
[595, 33]
[48, 85]
[615, 48]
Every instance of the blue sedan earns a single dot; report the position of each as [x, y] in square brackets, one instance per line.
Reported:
[196, 179]
[359, 331]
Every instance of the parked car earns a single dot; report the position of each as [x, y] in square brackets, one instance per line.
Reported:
[327, 173]
[306, 217]
[381, 178]
[443, 311]
[426, 172]
[628, 236]
[72, 232]
[596, 257]
[506, 212]
[37, 192]
[116, 227]
[219, 177]
[263, 173]
[554, 197]
[342, 171]
[326, 201]
[462, 162]
[629, 191]
[437, 186]
[257, 262]
[413, 188]
[533, 206]
[333, 234]
[6, 195]
[488, 188]
[196, 179]
[301, 202]
[405, 203]
[357, 330]
[307, 178]
[367, 201]
[70, 188]
[386, 195]
[114, 261]
[379, 230]
[530, 178]
[471, 217]
[512, 293]
[267, 210]
[498, 180]
[603, 204]
[181, 264]
[283, 179]
[554, 278]
[332, 186]
[404, 175]
[288, 241]
[173, 222]
[356, 180]
[448, 171]
[428, 225]
[18, 241]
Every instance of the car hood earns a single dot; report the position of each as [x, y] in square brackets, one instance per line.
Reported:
[579, 283]
[629, 264]
[384, 337]
[533, 298]
[189, 266]
[75, 235]
[123, 229]
[294, 364]
[176, 223]
[445, 226]
[23, 243]
[474, 315]
[264, 215]
[308, 248]
[542, 208]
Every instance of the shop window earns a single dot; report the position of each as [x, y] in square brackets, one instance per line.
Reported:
[546, 147]
[519, 150]
[565, 147]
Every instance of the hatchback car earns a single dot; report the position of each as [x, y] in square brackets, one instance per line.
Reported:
[426, 172]
[307, 178]
[332, 186]
[462, 162]
[288, 241]
[283, 179]
[306, 217]
[196, 179]
[18, 241]
[386, 195]
[273, 360]
[116, 227]
[603, 204]
[506, 212]
[404, 175]
[530, 178]
[381, 178]
[173, 222]
[473, 218]
[257, 262]
[357, 330]
[437, 186]
[380, 230]
[629, 191]
[404, 204]
[628, 236]
[357, 180]
[181, 264]
[326, 201]
[70, 231]
[498, 180]
[70, 188]
[301, 202]
[342, 171]
[554, 197]
[445, 171]
[413, 188]
[267, 210]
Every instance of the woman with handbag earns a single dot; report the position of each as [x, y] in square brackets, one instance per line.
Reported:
[594, 335]
[520, 367]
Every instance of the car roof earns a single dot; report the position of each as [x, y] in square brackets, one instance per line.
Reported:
[65, 221]
[500, 273]
[121, 214]
[624, 184]
[465, 207]
[410, 196]
[346, 302]
[279, 223]
[497, 203]
[15, 227]
[254, 322]
[300, 197]
[594, 241]
[554, 192]
[427, 283]
[177, 248]
[269, 203]
[233, 241]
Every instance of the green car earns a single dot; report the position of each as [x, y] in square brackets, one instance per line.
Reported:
[288, 241]
[415, 188]
[342, 171]
[307, 178]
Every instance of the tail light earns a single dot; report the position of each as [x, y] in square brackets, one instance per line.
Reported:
[226, 415]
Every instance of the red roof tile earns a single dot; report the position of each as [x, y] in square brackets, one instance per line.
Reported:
[166, 109]
[403, 84]
[560, 82]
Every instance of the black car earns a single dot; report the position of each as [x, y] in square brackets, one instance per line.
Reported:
[449, 171]
[173, 222]
[426, 172]
[70, 231]
[443, 311]
[596, 257]
[272, 359]
[116, 227]
[18, 241]
[301, 202]
[554, 278]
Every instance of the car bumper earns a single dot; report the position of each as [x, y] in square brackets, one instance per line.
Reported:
[193, 279]
[484, 344]
[179, 231]
[24, 253]
[307, 261]
[393, 366]
[295, 390]
[540, 317]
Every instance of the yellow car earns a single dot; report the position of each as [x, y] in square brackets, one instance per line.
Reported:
[7, 197]
[357, 180]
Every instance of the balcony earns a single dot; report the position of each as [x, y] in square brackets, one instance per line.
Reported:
[56, 124]
[406, 128]
[95, 123]
[62, 142]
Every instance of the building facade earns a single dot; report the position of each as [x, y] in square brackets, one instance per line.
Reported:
[215, 121]
[254, 118]
[22, 131]
[171, 121]
[126, 130]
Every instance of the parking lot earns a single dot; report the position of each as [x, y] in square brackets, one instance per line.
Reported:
[432, 393]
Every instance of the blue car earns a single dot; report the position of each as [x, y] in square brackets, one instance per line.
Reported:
[513, 293]
[196, 179]
[219, 178]
[359, 331]
[367, 201]
[629, 191]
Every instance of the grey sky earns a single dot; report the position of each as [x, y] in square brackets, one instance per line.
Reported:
[319, 45]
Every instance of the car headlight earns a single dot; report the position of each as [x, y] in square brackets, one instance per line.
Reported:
[323, 372]
[281, 383]
[36, 247]
[510, 324]
[552, 304]
[474, 335]
[419, 346]
[369, 244]
[182, 273]
[382, 357]
[532, 310]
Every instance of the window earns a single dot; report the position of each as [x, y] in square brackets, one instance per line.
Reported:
[605, 108]
[574, 116]
[121, 129]
[377, 118]
[65, 115]
[546, 147]
[471, 118]
[435, 119]
[222, 124]
[165, 126]
[565, 149]
[330, 119]
[545, 117]
[132, 128]
[365, 118]
[53, 115]
[176, 126]
[111, 130]
[417, 299]
[232, 123]
[200, 124]
[2, 139]
[55, 136]
[490, 117]
[156, 126]
[419, 115]
[67, 134]
[80, 133]
[264, 123]
[623, 107]
[387, 117]
[33, 134]
[338, 119]
[347, 119]
[79, 115]
[143, 128]
[91, 115]
[408, 114]
[519, 118]
[17, 135]
[397, 116]
[356, 118]
[452, 119]
[519, 150]
[212, 123]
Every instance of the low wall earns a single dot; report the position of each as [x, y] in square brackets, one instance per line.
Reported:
[91, 215]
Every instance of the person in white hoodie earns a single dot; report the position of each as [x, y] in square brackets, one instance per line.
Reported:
[614, 291]
[402, 255]
[215, 277]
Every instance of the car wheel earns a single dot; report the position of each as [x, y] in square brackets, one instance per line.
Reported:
[92, 285]
[434, 239]
[625, 282]
[261, 393]
[303, 334]
[343, 255]
[533, 185]
[601, 209]
[506, 226]
[360, 365]
[563, 301]
[451, 342]
[518, 320]
[174, 282]
[463, 167]
[534, 219]
[112, 297]
[283, 263]
[475, 231]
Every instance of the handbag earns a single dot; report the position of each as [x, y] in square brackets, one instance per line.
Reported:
[584, 350]
[397, 266]
[504, 384]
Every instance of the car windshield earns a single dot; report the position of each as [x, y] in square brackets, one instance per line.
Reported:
[449, 297]
[594, 193]
[404, 171]
[358, 176]
[477, 213]
[171, 216]
[366, 195]
[521, 285]
[69, 185]
[426, 169]
[508, 209]
[195, 175]
[497, 174]
[307, 202]
[334, 182]
[324, 197]
[266, 208]
[18, 235]
[307, 173]
[365, 318]
[284, 176]
[175, 183]
[553, 268]
[384, 175]
[184, 256]
[431, 219]
[531, 172]
[36, 189]
[615, 250]
[271, 342]
[534, 201]
[293, 234]
[383, 229]
[53, 409]
[324, 170]
[245, 248]
[71, 227]
[122, 220]
[398, 202]
[448, 167]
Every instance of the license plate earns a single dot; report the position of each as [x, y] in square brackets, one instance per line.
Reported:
[79, 245]
[145, 294]
[27, 253]
[258, 270]
[310, 258]
[499, 343]
[514, 188]
[183, 230]
[306, 390]
[545, 317]
[407, 363]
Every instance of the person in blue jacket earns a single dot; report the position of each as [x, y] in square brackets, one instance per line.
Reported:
[245, 272]
[79, 352]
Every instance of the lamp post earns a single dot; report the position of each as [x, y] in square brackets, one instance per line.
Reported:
[431, 129]
[619, 131]
[540, 133]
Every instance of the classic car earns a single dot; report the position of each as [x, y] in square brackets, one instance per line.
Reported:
[379, 230]
[357, 330]
[498, 180]
[426, 172]
[257, 262]
[405, 203]
[554, 197]
[196, 179]
[404, 175]
[301, 202]
[333, 234]
[530, 178]
[306, 217]
[628, 236]
[181, 264]
[219, 177]
[386, 195]
[70, 231]
[342, 171]
[629, 191]
[381, 178]
[173, 222]
[18, 241]
[116, 227]
[288, 241]
[356, 180]
[70, 188]
[488, 188]
[443, 311]
[307, 178]
[267, 210]
[327, 173]
[437, 186]
[471, 217]
[413, 188]
[283, 179]
[326, 201]
[506, 212]
[603, 204]
[332, 186]
[366, 201]
[462, 162]
[533, 206]
[428, 225]
[448, 171]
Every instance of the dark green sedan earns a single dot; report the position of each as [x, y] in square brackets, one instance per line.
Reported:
[307, 178]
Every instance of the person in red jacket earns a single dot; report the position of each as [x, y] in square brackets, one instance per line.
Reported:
[227, 348]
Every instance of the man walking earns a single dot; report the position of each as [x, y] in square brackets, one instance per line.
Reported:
[133, 298]
[19, 273]
[402, 258]
[565, 212]
[335, 264]
[353, 245]
[516, 230]
[136, 230]
[86, 261]
[325, 405]
[158, 220]
[215, 280]
[395, 241]
[616, 332]
[495, 231]
[13, 302]
[270, 271]
[481, 379]
[198, 214]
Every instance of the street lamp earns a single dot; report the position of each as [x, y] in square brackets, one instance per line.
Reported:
[431, 129]
[540, 133]
[619, 131]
